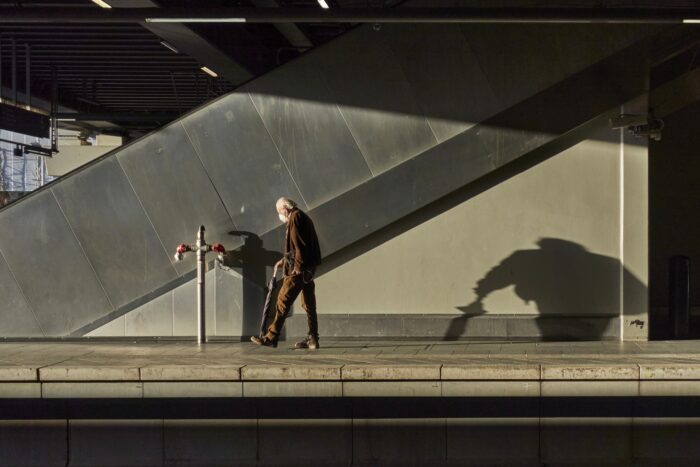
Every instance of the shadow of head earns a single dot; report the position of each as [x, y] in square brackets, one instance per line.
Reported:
[563, 279]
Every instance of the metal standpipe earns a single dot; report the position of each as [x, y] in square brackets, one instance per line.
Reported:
[202, 249]
[201, 315]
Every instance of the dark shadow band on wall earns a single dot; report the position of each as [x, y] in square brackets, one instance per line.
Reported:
[304, 408]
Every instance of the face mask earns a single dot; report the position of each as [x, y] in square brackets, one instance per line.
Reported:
[282, 217]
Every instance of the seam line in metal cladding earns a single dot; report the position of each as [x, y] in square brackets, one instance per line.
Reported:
[77, 239]
[147, 216]
[332, 90]
[26, 299]
[354, 140]
[279, 153]
[216, 190]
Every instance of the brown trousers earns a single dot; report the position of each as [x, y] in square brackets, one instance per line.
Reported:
[292, 286]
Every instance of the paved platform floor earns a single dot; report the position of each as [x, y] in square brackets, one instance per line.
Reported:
[348, 368]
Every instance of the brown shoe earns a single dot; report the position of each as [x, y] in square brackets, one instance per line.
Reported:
[265, 341]
[311, 342]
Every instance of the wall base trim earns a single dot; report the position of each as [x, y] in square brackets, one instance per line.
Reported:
[452, 327]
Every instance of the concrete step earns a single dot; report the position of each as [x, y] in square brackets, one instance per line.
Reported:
[347, 369]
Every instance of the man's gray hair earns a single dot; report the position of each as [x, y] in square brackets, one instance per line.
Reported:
[285, 203]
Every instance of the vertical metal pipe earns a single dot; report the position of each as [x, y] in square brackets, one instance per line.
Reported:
[201, 320]
[14, 71]
[27, 85]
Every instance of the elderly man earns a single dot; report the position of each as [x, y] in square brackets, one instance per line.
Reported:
[301, 256]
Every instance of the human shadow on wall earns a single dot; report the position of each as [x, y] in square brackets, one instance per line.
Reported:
[253, 262]
[564, 280]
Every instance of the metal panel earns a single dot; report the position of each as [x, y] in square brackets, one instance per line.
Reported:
[518, 60]
[376, 100]
[17, 317]
[445, 76]
[230, 295]
[114, 328]
[229, 303]
[523, 59]
[210, 303]
[508, 144]
[154, 318]
[114, 231]
[239, 302]
[175, 190]
[300, 113]
[242, 160]
[185, 307]
[549, 115]
[50, 266]
[402, 190]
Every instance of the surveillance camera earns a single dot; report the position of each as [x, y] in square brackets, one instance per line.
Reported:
[639, 125]
[628, 120]
[653, 130]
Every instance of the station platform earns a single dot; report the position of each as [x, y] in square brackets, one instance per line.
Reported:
[365, 403]
[348, 369]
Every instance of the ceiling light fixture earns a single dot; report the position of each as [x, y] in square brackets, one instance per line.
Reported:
[691, 21]
[209, 71]
[323, 4]
[102, 3]
[195, 20]
[169, 46]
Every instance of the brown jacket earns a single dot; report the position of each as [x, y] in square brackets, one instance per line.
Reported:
[301, 244]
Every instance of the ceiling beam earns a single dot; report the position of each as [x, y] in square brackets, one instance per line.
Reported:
[187, 42]
[290, 31]
[176, 16]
